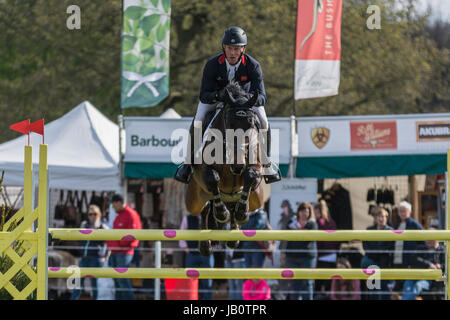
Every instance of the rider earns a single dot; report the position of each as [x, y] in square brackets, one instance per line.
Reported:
[232, 64]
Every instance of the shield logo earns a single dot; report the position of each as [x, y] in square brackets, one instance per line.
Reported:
[320, 136]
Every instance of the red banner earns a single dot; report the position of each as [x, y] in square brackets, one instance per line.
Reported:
[318, 48]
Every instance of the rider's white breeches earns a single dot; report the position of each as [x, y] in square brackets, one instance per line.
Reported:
[204, 108]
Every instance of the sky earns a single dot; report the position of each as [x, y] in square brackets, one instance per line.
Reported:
[439, 8]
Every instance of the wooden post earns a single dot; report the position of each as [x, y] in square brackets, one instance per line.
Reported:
[42, 226]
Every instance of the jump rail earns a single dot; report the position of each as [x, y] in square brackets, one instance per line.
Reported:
[250, 235]
[246, 273]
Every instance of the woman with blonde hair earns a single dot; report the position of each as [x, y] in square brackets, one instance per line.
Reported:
[379, 253]
[94, 253]
[302, 254]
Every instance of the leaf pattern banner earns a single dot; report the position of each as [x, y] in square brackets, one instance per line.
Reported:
[145, 52]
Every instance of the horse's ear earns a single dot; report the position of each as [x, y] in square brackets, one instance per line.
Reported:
[252, 101]
[229, 98]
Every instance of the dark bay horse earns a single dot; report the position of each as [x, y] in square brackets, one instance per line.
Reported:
[227, 185]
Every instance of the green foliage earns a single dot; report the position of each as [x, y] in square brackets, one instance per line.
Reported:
[46, 69]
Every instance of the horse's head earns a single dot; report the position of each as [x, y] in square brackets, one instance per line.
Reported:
[241, 132]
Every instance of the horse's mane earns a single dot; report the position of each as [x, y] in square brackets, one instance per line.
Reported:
[236, 90]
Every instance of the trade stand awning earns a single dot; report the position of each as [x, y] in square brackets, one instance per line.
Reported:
[371, 146]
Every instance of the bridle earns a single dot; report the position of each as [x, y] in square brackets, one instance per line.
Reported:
[242, 112]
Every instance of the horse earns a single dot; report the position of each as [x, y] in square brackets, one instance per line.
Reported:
[229, 186]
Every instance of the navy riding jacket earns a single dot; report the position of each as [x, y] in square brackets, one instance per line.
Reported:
[248, 75]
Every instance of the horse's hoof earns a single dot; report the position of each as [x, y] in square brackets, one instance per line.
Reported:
[232, 244]
[240, 214]
[205, 248]
[222, 214]
[242, 221]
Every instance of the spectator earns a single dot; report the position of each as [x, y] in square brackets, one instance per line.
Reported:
[193, 258]
[345, 289]
[257, 250]
[235, 259]
[122, 251]
[326, 249]
[94, 253]
[403, 255]
[285, 217]
[256, 289]
[431, 257]
[306, 254]
[372, 209]
[379, 253]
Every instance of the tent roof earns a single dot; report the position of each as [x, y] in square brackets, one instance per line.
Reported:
[170, 114]
[83, 152]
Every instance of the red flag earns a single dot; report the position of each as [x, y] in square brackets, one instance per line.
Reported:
[37, 127]
[22, 127]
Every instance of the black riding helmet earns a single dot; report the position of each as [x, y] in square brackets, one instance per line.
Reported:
[234, 36]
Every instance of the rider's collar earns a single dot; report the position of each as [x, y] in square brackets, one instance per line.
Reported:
[235, 66]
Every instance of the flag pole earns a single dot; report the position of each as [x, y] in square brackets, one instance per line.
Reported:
[293, 122]
[295, 53]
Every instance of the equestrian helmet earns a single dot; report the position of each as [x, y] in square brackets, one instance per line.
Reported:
[234, 36]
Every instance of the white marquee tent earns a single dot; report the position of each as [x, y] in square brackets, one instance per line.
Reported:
[83, 152]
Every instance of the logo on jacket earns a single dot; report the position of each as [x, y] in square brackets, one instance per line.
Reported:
[320, 136]
[244, 78]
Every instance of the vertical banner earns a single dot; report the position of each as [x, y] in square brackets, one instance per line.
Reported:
[317, 48]
[145, 52]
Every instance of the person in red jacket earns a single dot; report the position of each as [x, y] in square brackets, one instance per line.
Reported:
[122, 251]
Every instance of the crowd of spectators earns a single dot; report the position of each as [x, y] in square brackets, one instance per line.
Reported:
[294, 254]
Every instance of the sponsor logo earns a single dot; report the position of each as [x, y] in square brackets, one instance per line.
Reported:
[433, 131]
[294, 187]
[373, 135]
[137, 141]
[320, 136]
[244, 78]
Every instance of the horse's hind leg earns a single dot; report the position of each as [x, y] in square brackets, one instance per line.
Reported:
[211, 178]
[205, 246]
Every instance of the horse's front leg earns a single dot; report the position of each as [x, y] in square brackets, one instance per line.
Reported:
[205, 246]
[211, 178]
[251, 176]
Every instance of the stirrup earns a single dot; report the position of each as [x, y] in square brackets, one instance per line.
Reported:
[271, 178]
[181, 178]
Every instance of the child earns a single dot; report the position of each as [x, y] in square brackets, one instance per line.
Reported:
[256, 289]
[345, 289]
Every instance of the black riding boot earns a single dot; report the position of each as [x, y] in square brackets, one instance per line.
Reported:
[184, 171]
[271, 172]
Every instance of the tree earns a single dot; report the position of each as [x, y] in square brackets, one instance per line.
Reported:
[46, 69]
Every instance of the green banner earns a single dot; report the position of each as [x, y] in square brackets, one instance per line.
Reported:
[145, 52]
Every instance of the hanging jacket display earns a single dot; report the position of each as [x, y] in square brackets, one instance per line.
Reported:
[338, 201]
